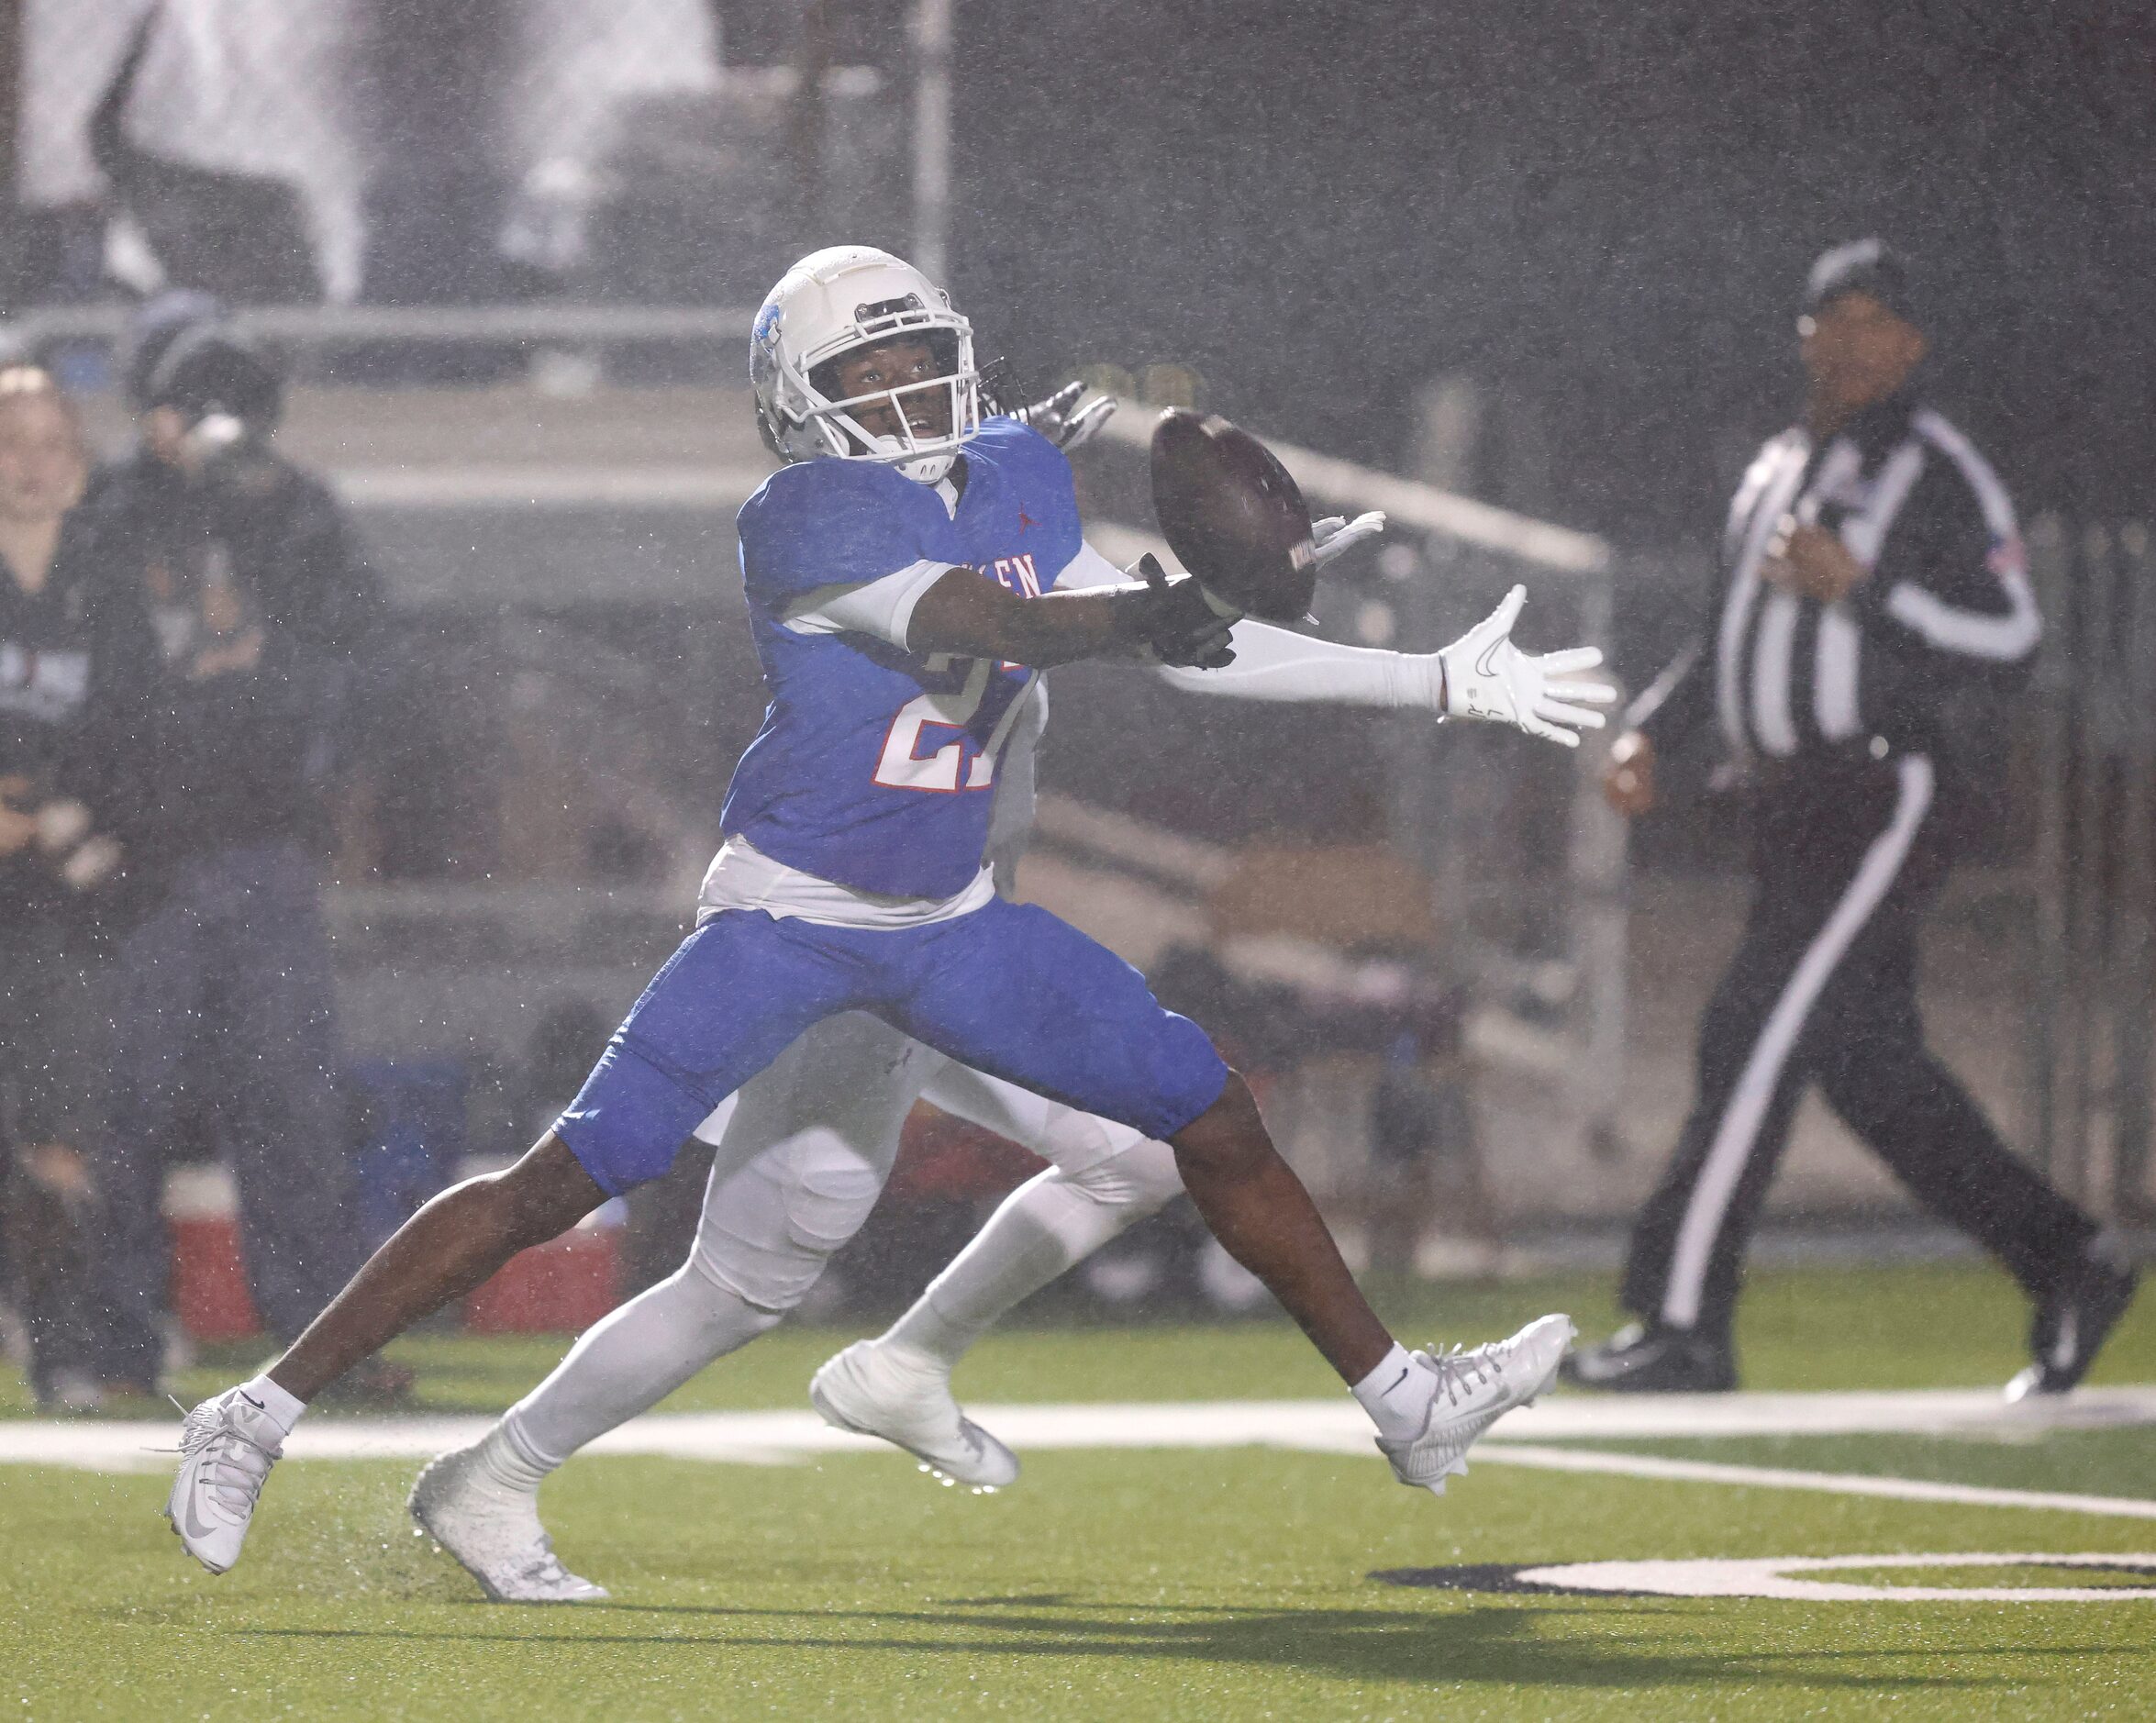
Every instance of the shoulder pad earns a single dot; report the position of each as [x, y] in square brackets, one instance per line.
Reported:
[1004, 436]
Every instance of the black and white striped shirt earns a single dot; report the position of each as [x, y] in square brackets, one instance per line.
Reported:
[1947, 611]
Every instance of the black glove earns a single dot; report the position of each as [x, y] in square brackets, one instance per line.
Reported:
[1175, 620]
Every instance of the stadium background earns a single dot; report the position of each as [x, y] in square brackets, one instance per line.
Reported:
[1546, 265]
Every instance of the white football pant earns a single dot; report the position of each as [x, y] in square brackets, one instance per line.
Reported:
[802, 1153]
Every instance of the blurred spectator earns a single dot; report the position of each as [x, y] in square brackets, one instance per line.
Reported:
[222, 141]
[75, 652]
[576, 67]
[1423, 1166]
[263, 609]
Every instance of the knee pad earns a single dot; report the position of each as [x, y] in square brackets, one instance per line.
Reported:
[1143, 1177]
[767, 1232]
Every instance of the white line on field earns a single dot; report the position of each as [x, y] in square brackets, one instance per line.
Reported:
[787, 1438]
[1827, 1483]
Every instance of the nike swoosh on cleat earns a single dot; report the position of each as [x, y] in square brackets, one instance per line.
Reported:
[192, 1526]
[1400, 1378]
[260, 1405]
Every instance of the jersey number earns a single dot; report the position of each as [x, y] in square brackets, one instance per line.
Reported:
[950, 768]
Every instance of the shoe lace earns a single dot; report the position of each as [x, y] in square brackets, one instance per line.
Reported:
[234, 1463]
[1461, 1371]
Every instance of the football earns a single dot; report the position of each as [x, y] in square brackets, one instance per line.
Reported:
[1232, 514]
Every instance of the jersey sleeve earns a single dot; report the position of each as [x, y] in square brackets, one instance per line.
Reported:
[833, 524]
[1953, 578]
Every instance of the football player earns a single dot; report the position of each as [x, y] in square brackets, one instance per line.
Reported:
[908, 573]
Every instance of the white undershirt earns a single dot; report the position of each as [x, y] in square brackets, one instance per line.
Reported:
[742, 877]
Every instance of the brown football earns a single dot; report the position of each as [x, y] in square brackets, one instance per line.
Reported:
[1233, 516]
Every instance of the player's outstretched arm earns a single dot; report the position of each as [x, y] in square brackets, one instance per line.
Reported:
[1172, 621]
[1482, 675]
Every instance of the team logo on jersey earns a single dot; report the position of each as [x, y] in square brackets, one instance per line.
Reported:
[1016, 572]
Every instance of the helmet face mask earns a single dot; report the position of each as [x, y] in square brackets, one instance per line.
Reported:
[830, 304]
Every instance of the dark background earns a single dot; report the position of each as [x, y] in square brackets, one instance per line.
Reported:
[1601, 214]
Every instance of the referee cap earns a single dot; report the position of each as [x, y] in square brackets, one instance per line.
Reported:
[1869, 266]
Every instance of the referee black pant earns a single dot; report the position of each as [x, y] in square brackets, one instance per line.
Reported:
[1823, 990]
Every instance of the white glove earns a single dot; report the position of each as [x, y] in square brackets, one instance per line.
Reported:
[1335, 533]
[1488, 677]
[1062, 421]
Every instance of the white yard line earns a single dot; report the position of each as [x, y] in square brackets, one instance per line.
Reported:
[1914, 1412]
[785, 1438]
[1827, 1483]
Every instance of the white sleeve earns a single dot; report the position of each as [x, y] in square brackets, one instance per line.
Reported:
[1089, 568]
[1279, 665]
[883, 607]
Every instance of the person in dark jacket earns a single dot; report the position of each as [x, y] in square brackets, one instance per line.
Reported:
[76, 658]
[263, 607]
[1872, 626]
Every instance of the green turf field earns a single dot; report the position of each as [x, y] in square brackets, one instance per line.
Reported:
[1171, 1584]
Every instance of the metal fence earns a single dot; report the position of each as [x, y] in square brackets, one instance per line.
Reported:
[489, 151]
[2095, 864]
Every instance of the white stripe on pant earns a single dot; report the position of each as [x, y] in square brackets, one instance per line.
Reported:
[1754, 1090]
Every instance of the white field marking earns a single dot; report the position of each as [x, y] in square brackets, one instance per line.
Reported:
[1827, 1483]
[1331, 1425]
[1769, 1577]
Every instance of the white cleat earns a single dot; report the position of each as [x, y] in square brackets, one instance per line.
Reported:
[1474, 1390]
[227, 1448]
[495, 1534]
[905, 1398]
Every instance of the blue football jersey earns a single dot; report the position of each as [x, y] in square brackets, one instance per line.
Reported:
[875, 767]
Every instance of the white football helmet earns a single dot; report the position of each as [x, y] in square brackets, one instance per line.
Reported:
[838, 299]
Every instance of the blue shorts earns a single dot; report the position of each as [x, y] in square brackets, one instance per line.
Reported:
[1010, 990]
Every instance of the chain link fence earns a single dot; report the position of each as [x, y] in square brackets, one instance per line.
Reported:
[493, 151]
[2092, 873]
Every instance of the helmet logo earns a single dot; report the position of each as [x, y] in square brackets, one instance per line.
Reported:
[766, 332]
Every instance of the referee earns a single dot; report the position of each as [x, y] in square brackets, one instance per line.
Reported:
[1873, 623]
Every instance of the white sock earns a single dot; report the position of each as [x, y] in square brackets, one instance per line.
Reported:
[1042, 1229]
[1396, 1394]
[624, 1365]
[508, 1463]
[283, 1410]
